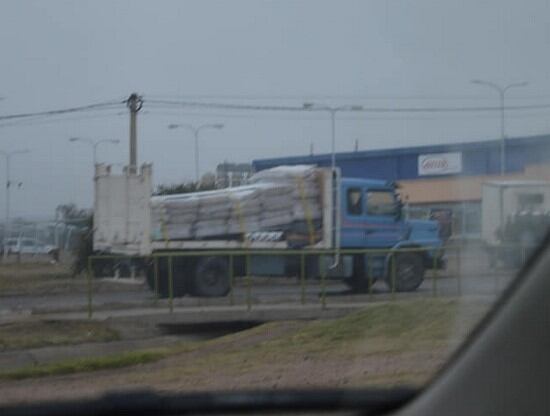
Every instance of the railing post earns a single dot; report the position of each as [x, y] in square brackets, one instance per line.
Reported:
[434, 278]
[170, 285]
[323, 283]
[369, 274]
[459, 271]
[231, 281]
[89, 287]
[302, 279]
[248, 285]
[393, 271]
[156, 278]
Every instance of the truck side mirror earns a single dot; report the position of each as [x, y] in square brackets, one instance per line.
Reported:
[398, 210]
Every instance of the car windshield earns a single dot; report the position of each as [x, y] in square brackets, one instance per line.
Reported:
[213, 195]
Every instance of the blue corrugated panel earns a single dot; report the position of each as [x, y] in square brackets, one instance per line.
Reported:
[478, 158]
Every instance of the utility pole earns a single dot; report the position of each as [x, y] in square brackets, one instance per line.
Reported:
[134, 104]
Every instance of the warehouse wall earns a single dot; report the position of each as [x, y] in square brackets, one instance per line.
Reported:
[478, 158]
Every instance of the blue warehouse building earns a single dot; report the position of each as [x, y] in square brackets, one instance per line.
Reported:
[440, 176]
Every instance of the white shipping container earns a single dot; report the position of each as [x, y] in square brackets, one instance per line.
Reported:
[502, 199]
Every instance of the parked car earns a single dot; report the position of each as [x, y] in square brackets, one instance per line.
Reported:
[28, 246]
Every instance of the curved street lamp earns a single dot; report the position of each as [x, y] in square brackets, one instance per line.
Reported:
[501, 92]
[336, 216]
[93, 143]
[196, 130]
[8, 156]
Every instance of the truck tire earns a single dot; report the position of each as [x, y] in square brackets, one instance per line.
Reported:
[123, 269]
[359, 282]
[211, 277]
[103, 267]
[409, 272]
[179, 285]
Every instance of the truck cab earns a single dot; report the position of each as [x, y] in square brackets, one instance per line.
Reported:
[371, 214]
[371, 218]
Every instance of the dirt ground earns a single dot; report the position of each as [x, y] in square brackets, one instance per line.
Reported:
[361, 350]
[46, 279]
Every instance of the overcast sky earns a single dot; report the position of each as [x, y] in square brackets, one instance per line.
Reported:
[392, 53]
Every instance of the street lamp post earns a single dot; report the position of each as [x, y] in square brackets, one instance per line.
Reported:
[332, 111]
[94, 144]
[501, 92]
[335, 191]
[196, 130]
[8, 156]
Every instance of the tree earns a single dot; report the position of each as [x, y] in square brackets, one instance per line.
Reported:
[84, 247]
[70, 212]
[207, 183]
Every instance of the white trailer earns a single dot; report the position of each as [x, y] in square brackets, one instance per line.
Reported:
[501, 200]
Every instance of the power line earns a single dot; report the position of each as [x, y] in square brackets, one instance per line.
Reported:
[250, 107]
[305, 97]
[47, 120]
[344, 117]
[97, 106]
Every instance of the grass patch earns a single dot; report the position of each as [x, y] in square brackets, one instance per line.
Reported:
[34, 334]
[388, 326]
[28, 278]
[383, 344]
[86, 364]
[395, 342]
[40, 279]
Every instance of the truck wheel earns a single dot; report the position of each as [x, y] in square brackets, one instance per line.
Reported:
[211, 277]
[123, 269]
[178, 276]
[359, 282]
[409, 272]
[103, 268]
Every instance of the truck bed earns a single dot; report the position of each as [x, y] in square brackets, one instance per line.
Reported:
[123, 219]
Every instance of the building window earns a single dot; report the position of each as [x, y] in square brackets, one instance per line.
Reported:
[355, 201]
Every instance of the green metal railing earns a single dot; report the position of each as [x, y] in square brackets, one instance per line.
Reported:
[390, 258]
[302, 254]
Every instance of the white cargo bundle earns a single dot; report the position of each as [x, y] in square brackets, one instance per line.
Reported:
[275, 199]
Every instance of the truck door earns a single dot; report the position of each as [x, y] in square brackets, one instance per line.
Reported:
[369, 218]
[382, 224]
[353, 212]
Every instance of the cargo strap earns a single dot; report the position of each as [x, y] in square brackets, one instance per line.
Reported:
[237, 207]
[163, 229]
[307, 211]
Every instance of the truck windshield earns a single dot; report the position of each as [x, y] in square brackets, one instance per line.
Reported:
[381, 203]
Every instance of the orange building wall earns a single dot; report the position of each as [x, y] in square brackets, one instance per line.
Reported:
[460, 189]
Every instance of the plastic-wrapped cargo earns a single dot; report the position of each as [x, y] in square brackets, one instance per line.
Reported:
[284, 174]
[172, 231]
[246, 225]
[275, 199]
[210, 228]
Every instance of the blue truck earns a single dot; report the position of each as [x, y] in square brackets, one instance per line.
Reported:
[359, 236]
